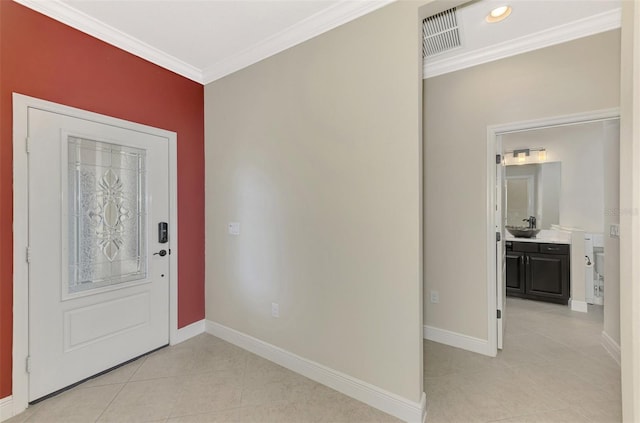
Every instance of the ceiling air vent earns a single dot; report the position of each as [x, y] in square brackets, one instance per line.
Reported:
[440, 33]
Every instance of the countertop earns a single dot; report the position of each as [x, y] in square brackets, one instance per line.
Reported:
[545, 236]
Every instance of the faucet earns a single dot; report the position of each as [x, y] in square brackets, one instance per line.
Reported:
[532, 222]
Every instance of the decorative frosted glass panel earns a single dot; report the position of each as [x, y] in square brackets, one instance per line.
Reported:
[107, 214]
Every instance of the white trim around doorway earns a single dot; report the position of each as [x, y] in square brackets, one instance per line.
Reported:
[493, 132]
[21, 104]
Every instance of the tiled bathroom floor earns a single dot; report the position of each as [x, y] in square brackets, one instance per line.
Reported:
[553, 369]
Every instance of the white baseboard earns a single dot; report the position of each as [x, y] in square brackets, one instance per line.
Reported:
[6, 408]
[372, 395]
[189, 331]
[576, 305]
[458, 340]
[611, 346]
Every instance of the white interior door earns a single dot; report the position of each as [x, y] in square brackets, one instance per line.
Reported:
[98, 295]
[501, 264]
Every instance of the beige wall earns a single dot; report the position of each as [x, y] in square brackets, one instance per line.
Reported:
[317, 153]
[554, 81]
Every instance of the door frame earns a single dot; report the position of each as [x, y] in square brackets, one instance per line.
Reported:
[494, 148]
[21, 104]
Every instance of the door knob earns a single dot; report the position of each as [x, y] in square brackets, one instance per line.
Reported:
[161, 253]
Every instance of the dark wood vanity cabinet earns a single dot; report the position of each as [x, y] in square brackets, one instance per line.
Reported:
[538, 271]
[515, 272]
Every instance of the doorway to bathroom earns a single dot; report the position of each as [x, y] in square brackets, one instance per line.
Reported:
[565, 173]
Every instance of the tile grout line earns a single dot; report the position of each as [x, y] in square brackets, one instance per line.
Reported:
[110, 402]
[144, 358]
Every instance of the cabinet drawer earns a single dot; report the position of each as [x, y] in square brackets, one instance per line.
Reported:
[525, 247]
[554, 248]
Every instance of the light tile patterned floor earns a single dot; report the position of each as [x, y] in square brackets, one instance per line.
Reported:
[553, 369]
[201, 380]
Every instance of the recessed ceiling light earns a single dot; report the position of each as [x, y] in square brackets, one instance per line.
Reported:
[498, 14]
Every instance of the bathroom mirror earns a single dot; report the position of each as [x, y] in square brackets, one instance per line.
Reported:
[533, 190]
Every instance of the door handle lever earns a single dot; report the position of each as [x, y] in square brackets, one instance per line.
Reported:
[161, 253]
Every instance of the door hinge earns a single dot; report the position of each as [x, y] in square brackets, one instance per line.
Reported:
[498, 158]
[27, 144]
[498, 237]
[28, 255]
[499, 314]
[28, 364]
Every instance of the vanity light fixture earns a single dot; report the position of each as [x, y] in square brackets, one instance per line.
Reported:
[498, 14]
[521, 155]
[525, 156]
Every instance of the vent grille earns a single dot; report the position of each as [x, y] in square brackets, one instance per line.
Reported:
[440, 33]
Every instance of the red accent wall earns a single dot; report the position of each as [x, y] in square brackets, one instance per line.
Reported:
[43, 58]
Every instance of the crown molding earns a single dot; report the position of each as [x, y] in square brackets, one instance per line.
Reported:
[304, 30]
[573, 30]
[66, 14]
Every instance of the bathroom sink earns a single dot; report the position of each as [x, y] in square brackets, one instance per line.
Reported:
[522, 231]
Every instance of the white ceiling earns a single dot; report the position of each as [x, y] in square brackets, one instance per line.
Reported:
[532, 24]
[207, 39]
[201, 33]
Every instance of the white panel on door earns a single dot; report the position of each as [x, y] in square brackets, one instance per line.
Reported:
[100, 321]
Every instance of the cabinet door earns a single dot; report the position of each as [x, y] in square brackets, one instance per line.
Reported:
[548, 276]
[515, 273]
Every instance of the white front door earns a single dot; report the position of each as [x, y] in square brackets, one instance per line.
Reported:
[98, 290]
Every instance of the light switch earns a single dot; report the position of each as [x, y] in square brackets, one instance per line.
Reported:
[234, 228]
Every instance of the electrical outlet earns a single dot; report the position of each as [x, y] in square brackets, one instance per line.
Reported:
[435, 297]
[275, 310]
[234, 228]
[614, 230]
